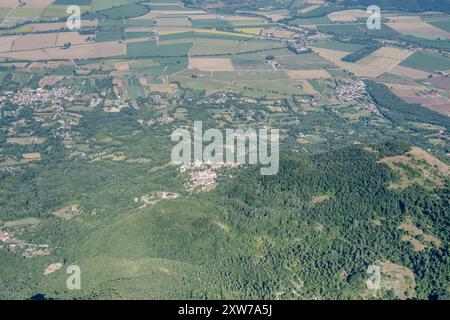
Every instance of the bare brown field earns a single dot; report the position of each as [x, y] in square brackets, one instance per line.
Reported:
[90, 50]
[33, 55]
[44, 27]
[211, 64]
[308, 74]
[6, 43]
[29, 157]
[409, 72]
[34, 41]
[73, 37]
[38, 4]
[8, 3]
[347, 15]
[122, 66]
[440, 104]
[52, 26]
[81, 51]
[415, 26]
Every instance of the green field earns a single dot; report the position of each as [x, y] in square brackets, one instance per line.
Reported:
[340, 46]
[427, 62]
[441, 24]
[304, 61]
[311, 21]
[345, 30]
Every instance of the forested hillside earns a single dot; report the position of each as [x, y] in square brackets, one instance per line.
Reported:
[309, 232]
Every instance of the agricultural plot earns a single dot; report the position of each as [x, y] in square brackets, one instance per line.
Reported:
[303, 61]
[111, 36]
[205, 46]
[174, 33]
[322, 21]
[339, 46]
[237, 20]
[373, 65]
[443, 24]
[60, 10]
[98, 5]
[82, 51]
[275, 15]
[427, 62]
[150, 48]
[248, 63]
[411, 73]
[6, 43]
[415, 26]
[347, 15]
[210, 23]
[34, 41]
[435, 101]
[308, 74]
[210, 64]
[343, 29]
[180, 22]
[385, 58]
[440, 82]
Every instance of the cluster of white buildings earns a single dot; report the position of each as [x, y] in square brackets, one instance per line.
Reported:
[29, 97]
[203, 175]
[355, 92]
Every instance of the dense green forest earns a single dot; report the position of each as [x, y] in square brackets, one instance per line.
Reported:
[361, 53]
[255, 237]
